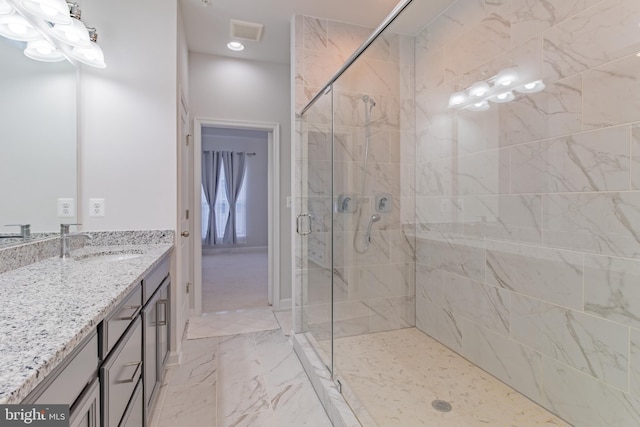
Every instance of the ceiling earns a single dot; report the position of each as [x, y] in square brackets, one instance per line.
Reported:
[207, 27]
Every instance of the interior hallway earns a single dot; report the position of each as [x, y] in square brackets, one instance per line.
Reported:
[235, 279]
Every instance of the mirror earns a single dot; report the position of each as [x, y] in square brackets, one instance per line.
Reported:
[38, 127]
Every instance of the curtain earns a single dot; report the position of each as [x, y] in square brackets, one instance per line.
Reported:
[234, 171]
[211, 161]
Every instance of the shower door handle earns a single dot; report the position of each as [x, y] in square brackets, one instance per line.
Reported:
[299, 220]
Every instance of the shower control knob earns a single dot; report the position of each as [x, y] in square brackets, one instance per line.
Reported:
[185, 234]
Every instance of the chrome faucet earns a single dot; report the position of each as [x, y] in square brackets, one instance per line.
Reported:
[25, 232]
[65, 237]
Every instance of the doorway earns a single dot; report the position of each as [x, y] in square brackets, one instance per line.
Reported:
[243, 273]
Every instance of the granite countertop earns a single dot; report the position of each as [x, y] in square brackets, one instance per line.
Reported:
[50, 306]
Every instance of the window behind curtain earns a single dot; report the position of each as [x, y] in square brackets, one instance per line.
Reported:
[222, 208]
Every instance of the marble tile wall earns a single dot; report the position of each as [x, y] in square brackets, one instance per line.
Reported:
[374, 290]
[528, 214]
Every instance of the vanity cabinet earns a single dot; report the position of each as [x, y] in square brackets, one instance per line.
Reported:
[75, 383]
[155, 317]
[112, 378]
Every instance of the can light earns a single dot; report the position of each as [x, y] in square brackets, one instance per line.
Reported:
[235, 46]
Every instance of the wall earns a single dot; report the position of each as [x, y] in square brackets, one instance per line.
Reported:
[373, 289]
[528, 213]
[232, 89]
[255, 177]
[127, 131]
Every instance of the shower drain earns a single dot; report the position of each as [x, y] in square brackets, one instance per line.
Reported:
[441, 405]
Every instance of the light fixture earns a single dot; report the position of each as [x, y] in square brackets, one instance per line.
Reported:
[531, 87]
[5, 8]
[235, 46]
[457, 98]
[503, 97]
[506, 77]
[42, 50]
[75, 34]
[479, 89]
[478, 106]
[54, 11]
[16, 27]
[52, 29]
[91, 55]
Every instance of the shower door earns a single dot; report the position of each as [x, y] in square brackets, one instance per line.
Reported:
[314, 227]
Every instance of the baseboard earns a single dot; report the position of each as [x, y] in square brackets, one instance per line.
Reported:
[284, 305]
[209, 250]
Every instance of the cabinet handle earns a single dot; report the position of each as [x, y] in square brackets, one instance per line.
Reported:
[299, 220]
[164, 303]
[136, 309]
[135, 373]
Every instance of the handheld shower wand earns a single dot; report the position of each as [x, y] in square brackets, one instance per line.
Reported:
[374, 218]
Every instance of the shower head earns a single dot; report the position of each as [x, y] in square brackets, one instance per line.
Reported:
[375, 218]
[368, 100]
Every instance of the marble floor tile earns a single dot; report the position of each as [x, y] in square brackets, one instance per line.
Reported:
[231, 323]
[285, 319]
[252, 379]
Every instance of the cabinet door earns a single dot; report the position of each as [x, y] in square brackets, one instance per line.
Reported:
[86, 412]
[134, 415]
[163, 310]
[150, 315]
[120, 374]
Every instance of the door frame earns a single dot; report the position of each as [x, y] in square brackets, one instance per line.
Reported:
[273, 204]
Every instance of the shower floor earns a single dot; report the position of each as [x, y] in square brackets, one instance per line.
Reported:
[397, 374]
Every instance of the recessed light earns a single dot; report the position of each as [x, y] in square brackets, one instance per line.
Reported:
[237, 46]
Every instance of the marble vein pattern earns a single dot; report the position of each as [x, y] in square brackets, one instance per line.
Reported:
[549, 274]
[587, 343]
[635, 157]
[612, 94]
[604, 223]
[571, 393]
[611, 289]
[591, 161]
[67, 300]
[597, 35]
[252, 379]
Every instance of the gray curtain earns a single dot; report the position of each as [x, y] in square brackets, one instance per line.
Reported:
[211, 161]
[234, 170]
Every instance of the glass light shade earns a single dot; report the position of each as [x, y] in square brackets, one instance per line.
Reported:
[75, 34]
[55, 11]
[42, 50]
[478, 106]
[237, 46]
[503, 97]
[479, 89]
[92, 55]
[531, 87]
[457, 98]
[5, 8]
[16, 27]
[506, 77]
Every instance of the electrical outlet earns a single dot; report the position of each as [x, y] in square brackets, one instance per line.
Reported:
[96, 207]
[66, 208]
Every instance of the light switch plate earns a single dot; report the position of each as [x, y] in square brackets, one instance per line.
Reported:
[96, 207]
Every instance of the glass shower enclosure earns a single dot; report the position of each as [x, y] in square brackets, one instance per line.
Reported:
[468, 184]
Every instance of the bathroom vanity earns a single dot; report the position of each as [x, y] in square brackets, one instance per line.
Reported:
[91, 331]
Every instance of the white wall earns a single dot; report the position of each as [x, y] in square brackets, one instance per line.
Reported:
[231, 89]
[255, 179]
[127, 132]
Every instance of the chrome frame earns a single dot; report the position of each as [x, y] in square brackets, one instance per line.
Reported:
[383, 26]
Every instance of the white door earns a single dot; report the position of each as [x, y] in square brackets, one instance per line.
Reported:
[186, 231]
